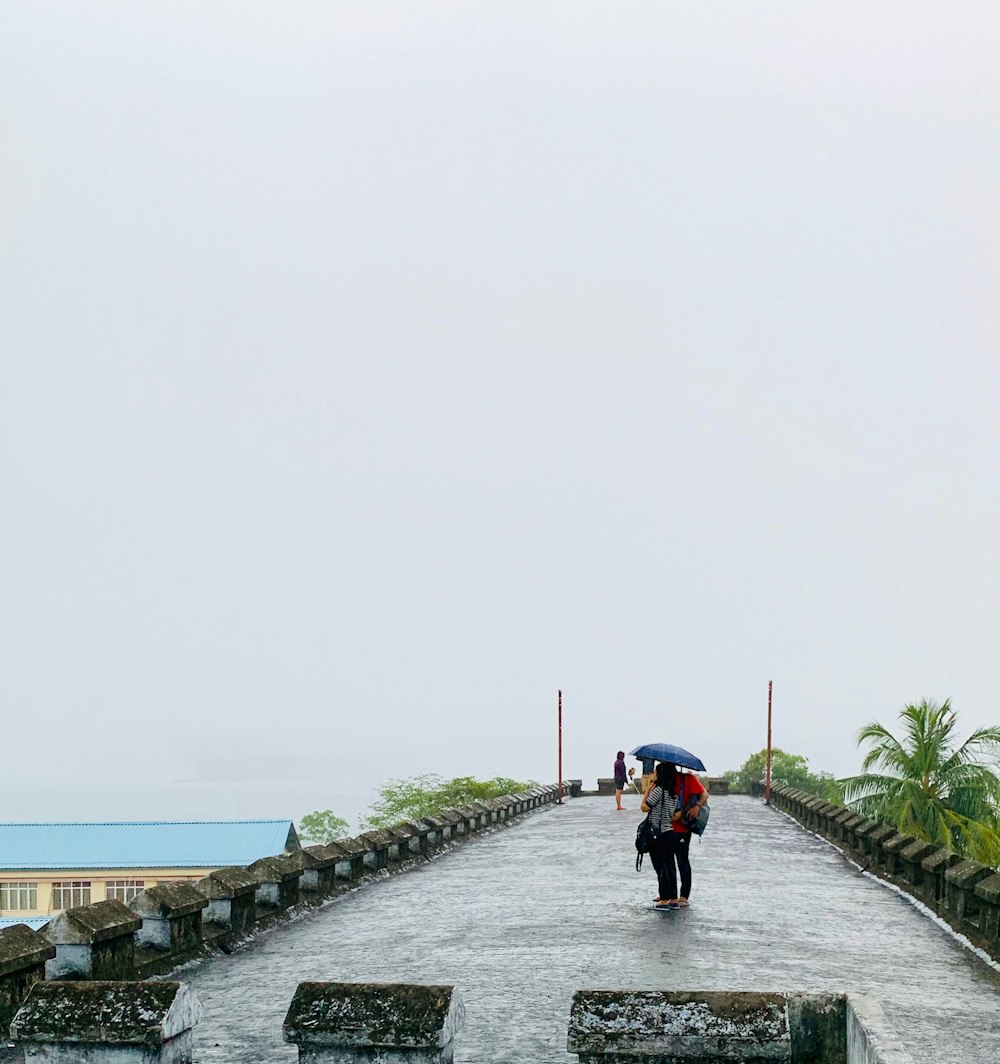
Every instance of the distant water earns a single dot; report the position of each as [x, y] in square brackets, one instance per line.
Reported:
[136, 799]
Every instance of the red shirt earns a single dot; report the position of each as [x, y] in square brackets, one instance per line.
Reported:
[688, 786]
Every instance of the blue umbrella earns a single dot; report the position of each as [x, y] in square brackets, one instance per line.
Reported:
[675, 755]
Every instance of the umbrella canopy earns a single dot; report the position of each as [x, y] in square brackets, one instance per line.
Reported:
[676, 755]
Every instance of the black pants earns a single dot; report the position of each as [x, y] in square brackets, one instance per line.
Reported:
[669, 854]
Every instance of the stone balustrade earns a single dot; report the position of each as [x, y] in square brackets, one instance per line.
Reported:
[170, 923]
[964, 893]
[105, 1022]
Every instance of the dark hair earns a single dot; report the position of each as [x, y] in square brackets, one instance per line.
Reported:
[666, 776]
[621, 753]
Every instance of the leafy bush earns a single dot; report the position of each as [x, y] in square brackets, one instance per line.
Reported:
[790, 769]
[322, 826]
[427, 795]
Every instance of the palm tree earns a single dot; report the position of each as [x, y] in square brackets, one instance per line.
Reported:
[928, 786]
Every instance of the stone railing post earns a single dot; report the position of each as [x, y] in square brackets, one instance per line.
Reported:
[376, 845]
[232, 899]
[439, 831]
[320, 874]
[419, 835]
[399, 842]
[107, 1023]
[279, 883]
[351, 866]
[934, 866]
[395, 1023]
[910, 860]
[621, 1026]
[988, 893]
[93, 942]
[960, 889]
[171, 917]
[877, 839]
[23, 953]
[892, 849]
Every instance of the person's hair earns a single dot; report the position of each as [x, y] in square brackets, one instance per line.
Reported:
[666, 776]
[621, 753]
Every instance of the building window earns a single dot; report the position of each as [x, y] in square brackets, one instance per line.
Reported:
[18, 897]
[67, 894]
[123, 889]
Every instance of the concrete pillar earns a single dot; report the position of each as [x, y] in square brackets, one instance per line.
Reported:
[399, 842]
[351, 865]
[376, 845]
[933, 868]
[960, 889]
[459, 825]
[625, 1026]
[320, 873]
[439, 831]
[23, 954]
[279, 882]
[910, 858]
[876, 839]
[892, 852]
[93, 942]
[232, 899]
[988, 893]
[419, 834]
[107, 1023]
[391, 1023]
[171, 917]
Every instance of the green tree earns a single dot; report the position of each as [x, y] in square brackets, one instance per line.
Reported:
[790, 769]
[419, 796]
[928, 785]
[322, 826]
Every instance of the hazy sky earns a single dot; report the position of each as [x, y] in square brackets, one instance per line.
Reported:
[372, 370]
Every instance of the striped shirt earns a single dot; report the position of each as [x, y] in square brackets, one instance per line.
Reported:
[661, 809]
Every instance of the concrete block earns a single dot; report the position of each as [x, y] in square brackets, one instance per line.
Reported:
[320, 869]
[107, 1023]
[351, 866]
[279, 879]
[93, 942]
[232, 898]
[620, 1026]
[171, 917]
[960, 888]
[892, 849]
[376, 845]
[870, 1037]
[988, 893]
[23, 955]
[910, 858]
[933, 868]
[387, 1023]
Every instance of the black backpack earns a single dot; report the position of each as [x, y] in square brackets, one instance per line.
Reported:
[645, 836]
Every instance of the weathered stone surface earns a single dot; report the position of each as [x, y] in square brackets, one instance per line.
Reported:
[615, 1025]
[21, 947]
[105, 1013]
[373, 1015]
[869, 1037]
[23, 953]
[171, 917]
[232, 901]
[278, 879]
[960, 885]
[93, 942]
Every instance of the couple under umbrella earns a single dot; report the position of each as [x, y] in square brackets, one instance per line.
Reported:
[672, 801]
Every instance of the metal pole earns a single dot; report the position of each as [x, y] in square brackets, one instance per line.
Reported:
[767, 783]
[560, 748]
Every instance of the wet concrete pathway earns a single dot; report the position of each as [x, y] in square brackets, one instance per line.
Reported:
[521, 918]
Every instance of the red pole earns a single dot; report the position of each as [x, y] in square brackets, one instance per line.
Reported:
[767, 783]
[560, 747]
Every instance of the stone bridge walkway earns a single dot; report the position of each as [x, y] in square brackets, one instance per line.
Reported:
[521, 918]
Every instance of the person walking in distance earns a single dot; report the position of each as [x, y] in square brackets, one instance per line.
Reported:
[673, 801]
[621, 777]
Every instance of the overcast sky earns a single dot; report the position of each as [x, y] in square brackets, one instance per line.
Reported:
[373, 370]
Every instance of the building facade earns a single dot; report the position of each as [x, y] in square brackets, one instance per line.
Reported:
[45, 868]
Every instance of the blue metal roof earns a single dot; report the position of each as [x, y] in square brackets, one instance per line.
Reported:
[36, 923]
[158, 844]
